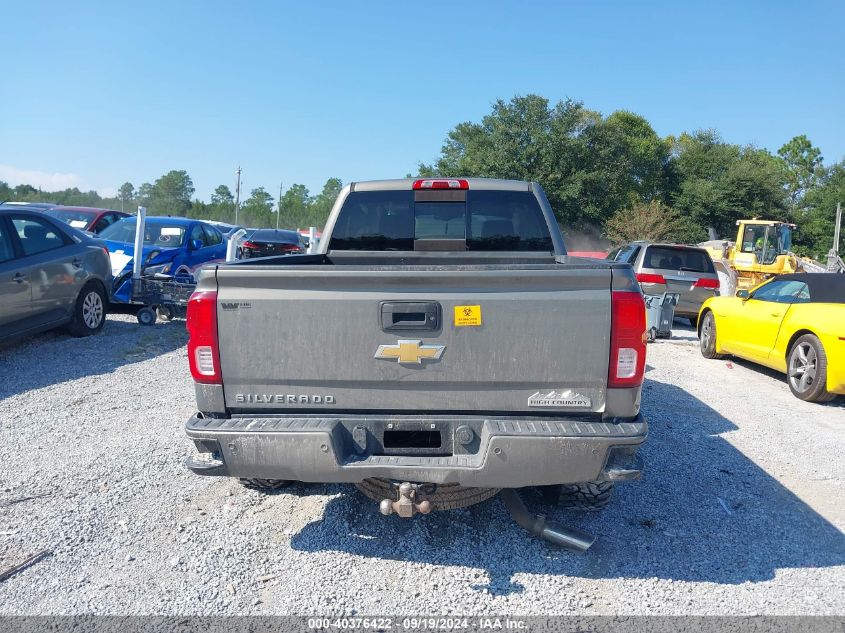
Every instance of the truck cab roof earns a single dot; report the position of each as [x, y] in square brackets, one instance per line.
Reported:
[490, 184]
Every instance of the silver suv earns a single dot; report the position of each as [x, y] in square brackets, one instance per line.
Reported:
[687, 270]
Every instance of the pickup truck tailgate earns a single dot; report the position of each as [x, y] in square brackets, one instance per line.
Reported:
[305, 338]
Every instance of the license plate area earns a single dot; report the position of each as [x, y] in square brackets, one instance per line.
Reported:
[412, 438]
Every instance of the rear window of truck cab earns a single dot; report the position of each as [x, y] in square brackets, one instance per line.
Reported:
[472, 220]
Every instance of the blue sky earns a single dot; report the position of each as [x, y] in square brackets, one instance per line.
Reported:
[95, 94]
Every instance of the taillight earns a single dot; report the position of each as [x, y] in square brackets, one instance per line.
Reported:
[203, 351]
[649, 278]
[447, 183]
[627, 339]
[291, 248]
[249, 245]
[706, 283]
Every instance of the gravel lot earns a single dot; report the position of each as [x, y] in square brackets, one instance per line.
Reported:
[741, 511]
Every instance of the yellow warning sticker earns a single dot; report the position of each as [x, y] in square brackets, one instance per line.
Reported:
[467, 315]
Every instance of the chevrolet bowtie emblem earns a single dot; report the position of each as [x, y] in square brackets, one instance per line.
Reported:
[409, 352]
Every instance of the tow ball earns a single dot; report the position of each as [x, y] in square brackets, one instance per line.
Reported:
[408, 503]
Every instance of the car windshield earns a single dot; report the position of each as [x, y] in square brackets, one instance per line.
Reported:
[77, 219]
[678, 258]
[155, 233]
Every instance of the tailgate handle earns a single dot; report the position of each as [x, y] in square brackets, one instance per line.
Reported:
[409, 315]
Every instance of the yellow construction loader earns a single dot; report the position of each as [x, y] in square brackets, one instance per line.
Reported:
[763, 248]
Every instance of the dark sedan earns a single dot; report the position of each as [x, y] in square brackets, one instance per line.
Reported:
[266, 242]
[51, 275]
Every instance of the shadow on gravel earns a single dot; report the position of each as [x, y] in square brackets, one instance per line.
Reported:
[838, 402]
[55, 357]
[703, 512]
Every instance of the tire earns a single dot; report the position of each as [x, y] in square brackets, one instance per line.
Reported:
[707, 336]
[89, 313]
[146, 316]
[165, 313]
[652, 334]
[442, 496]
[806, 370]
[590, 496]
[264, 485]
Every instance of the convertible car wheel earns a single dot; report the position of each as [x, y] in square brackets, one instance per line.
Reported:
[707, 336]
[807, 370]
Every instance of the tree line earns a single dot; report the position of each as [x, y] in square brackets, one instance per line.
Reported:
[611, 177]
[614, 177]
[172, 194]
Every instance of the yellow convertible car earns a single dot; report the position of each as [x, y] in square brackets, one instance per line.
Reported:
[794, 324]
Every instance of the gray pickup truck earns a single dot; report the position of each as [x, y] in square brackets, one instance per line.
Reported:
[441, 346]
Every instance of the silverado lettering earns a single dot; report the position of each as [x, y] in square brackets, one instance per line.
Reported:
[278, 398]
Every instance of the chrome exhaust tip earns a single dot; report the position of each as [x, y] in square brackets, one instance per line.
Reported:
[572, 539]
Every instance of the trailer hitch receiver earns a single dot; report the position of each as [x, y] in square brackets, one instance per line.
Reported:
[408, 503]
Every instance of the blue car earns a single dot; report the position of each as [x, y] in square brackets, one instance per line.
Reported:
[172, 246]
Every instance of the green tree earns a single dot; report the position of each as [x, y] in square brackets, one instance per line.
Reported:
[257, 209]
[125, 194]
[589, 166]
[145, 194]
[815, 232]
[75, 197]
[718, 183]
[802, 163]
[296, 203]
[322, 203]
[652, 221]
[223, 204]
[172, 193]
[510, 142]
[201, 210]
[625, 162]
[222, 195]
[25, 192]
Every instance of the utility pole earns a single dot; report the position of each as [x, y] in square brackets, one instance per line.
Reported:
[834, 261]
[279, 207]
[238, 194]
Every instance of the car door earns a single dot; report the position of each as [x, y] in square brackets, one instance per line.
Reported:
[216, 242]
[15, 288]
[758, 319]
[55, 263]
[198, 248]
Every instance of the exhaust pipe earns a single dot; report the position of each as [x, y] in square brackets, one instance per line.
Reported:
[572, 539]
